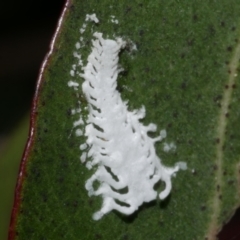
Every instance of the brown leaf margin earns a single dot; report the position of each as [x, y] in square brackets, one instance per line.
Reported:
[12, 233]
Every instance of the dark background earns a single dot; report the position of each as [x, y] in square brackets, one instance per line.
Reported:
[26, 29]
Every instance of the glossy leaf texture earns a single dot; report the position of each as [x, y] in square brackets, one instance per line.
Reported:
[185, 72]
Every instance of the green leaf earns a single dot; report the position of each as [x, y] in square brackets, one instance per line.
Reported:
[10, 156]
[185, 72]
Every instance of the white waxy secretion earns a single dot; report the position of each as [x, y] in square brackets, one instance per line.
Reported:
[92, 17]
[118, 143]
[73, 84]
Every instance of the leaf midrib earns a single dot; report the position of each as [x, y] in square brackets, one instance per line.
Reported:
[221, 130]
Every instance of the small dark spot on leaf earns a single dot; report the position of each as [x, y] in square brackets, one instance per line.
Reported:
[199, 96]
[211, 29]
[195, 17]
[234, 86]
[224, 172]
[217, 98]
[161, 223]
[183, 85]
[90, 201]
[220, 197]
[190, 42]
[168, 97]
[222, 24]
[231, 136]
[233, 28]
[229, 48]
[141, 32]
[229, 71]
[175, 115]
[218, 188]
[98, 236]
[44, 198]
[227, 115]
[60, 179]
[226, 86]
[169, 125]
[69, 112]
[128, 9]
[125, 236]
[217, 140]
[230, 182]
[60, 57]
[182, 55]
[203, 208]
[215, 167]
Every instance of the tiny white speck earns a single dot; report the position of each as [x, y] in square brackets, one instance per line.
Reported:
[73, 111]
[81, 39]
[79, 132]
[77, 45]
[167, 147]
[127, 88]
[83, 157]
[80, 62]
[193, 170]
[72, 73]
[83, 146]
[134, 47]
[74, 66]
[163, 133]
[92, 17]
[89, 165]
[83, 28]
[78, 122]
[76, 55]
[181, 165]
[114, 21]
[235, 75]
[73, 84]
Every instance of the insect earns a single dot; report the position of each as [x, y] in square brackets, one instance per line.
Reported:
[119, 146]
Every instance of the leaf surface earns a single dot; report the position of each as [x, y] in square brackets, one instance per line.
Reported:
[185, 72]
